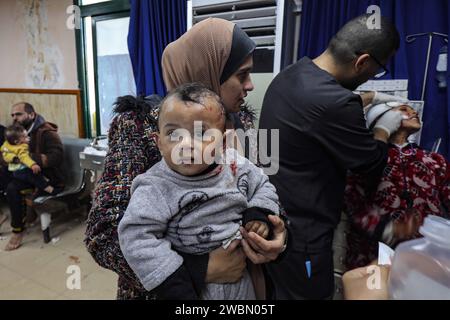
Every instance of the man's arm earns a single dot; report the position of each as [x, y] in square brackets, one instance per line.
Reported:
[343, 133]
[52, 151]
[376, 97]
[367, 98]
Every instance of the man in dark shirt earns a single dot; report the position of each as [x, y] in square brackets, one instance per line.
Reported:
[322, 135]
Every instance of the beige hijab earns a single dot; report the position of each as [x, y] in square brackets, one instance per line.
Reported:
[200, 55]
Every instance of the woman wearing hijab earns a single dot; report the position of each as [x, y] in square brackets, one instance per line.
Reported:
[218, 54]
[228, 53]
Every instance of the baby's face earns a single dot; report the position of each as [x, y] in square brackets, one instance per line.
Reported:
[24, 138]
[190, 135]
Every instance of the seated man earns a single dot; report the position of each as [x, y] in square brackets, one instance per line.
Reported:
[414, 184]
[46, 150]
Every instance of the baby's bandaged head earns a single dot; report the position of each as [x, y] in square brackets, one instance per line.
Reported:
[374, 113]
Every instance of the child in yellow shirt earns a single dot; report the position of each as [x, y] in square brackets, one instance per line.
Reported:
[22, 166]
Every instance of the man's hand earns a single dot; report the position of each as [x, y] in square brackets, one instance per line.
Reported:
[356, 284]
[381, 135]
[36, 169]
[44, 160]
[258, 227]
[260, 250]
[226, 266]
[390, 122]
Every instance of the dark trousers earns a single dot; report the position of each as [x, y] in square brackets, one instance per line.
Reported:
[22, 180]
[290, 279]
[5, 178]
[16, 203]
[26, 175]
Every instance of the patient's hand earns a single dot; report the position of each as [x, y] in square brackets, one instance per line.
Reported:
[258, 227]
[408, 228]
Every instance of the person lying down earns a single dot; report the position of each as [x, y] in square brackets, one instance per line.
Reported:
[414, 184]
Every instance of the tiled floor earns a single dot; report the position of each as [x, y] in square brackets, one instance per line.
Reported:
[39, 271]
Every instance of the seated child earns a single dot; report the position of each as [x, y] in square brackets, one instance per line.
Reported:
[414, 184]
[15, 153]
[189, 204]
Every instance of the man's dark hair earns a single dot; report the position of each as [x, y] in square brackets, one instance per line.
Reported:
[27, 107]
[356, 38]
[13, 133]
[194, 93]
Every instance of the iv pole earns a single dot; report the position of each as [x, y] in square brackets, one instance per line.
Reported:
[412, 38]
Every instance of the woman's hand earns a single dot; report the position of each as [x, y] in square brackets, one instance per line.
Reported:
[260, 250]
[226, 266]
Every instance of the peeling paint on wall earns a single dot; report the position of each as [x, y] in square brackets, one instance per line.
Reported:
[44, 59]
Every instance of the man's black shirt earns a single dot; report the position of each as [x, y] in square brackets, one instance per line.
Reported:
[322, 135]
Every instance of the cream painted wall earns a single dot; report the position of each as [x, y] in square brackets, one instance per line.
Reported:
[37, 49]
[261, 81]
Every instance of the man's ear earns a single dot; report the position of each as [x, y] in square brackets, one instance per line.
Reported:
[361, 62]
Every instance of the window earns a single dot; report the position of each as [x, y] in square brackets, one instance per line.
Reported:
[87, 2]
[114, 74]
[105, 69]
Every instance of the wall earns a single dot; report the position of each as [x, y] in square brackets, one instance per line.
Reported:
[38, 50]
[255, 98]
[62, 107]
